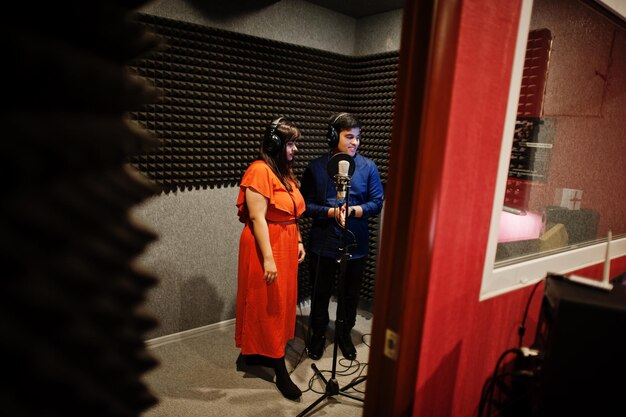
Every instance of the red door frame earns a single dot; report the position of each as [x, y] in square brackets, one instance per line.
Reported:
[423, 98]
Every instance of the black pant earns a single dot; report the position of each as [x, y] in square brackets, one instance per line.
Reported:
[322, 274]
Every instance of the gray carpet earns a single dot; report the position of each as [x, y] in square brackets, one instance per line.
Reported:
[204, 375]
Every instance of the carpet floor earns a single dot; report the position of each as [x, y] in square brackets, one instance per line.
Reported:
[204, 375]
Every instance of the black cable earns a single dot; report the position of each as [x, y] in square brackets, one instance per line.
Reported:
[499, 381]
[495, 373]
[483, 396]
[363, 339]
[488, 390]
[365, 365]
[355, 367]
[490, 385]
[515, 402]
[522, 327]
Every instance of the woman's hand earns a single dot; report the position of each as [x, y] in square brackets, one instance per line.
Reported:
[301, 252]
[271, 273]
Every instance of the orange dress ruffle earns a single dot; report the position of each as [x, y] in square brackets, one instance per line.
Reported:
[266, 314]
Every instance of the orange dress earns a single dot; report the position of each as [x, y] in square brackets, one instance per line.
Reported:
[266, 313]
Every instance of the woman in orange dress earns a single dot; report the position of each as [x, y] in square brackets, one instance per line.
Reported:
[270, 249]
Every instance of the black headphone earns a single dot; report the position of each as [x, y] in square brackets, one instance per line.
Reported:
[271, 142]
[332, 135]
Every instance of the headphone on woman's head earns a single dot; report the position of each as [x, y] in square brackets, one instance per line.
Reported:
[332, 135]
[271, 142]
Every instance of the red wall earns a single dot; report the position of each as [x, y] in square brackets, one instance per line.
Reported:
[463, 337]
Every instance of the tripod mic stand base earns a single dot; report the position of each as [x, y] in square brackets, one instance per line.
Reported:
[332, 389]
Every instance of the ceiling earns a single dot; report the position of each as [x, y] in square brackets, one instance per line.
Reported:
[352, 8]
[359, 8]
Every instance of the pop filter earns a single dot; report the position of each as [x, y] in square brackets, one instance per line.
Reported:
[333, 164]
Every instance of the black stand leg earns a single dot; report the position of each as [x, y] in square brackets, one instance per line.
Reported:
[332, 386]
[332, 389]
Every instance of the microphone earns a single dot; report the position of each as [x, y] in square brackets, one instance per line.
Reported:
[340, 167]
[342, 180]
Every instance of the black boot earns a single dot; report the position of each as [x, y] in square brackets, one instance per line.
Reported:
[344, 340]
[283, 382]
[259, 360]
[315, 347]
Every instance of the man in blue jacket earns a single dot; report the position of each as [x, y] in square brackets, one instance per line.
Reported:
[327, 234]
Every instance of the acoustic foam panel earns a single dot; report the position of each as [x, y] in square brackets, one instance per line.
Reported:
[220, 90]
[73, 332]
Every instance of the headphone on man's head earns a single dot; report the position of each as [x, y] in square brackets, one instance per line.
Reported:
[271, 142]
[332, 135]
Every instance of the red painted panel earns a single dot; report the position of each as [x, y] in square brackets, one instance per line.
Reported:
[447, 136]
[462, 337]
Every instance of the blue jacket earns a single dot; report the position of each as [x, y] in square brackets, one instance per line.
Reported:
[320, 194]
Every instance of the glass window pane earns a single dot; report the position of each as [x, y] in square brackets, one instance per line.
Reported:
[566, 184]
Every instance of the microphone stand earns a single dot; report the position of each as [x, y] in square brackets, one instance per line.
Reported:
[332, 385]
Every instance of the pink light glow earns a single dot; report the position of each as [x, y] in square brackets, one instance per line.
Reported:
[514, 227]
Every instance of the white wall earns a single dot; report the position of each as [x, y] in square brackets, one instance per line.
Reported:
[195, 257]
[297, 22]
[378, 33]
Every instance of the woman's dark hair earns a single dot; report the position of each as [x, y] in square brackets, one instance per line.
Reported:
[286, 132]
